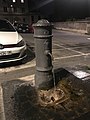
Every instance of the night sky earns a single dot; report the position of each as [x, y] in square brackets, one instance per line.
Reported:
[63, 9]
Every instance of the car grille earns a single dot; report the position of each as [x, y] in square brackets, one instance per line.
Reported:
[8, 57]
[9, 46]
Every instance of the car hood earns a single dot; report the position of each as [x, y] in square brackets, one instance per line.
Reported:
[9, 38]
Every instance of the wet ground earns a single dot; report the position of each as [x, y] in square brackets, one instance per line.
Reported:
[69, 100]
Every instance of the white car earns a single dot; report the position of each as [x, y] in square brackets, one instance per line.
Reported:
[12, 45]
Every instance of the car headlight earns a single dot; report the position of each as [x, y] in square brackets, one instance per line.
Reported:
[21, 43]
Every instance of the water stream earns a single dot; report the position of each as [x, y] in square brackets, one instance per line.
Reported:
[54, 82]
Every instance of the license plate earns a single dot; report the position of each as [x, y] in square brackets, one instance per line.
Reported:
[3, 53]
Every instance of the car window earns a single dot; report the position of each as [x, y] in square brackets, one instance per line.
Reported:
[6, 26]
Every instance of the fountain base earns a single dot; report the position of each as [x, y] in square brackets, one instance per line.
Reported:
[52, 97]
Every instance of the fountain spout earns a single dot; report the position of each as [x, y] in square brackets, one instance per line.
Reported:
[50, 54]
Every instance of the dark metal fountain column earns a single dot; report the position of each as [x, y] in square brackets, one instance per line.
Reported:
[43, 51]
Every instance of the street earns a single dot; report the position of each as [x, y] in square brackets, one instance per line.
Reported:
[70, 50]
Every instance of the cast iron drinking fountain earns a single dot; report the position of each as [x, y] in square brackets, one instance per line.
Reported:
[57, 94]
[44, 76]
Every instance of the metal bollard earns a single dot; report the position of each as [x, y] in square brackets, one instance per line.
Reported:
[43, 51]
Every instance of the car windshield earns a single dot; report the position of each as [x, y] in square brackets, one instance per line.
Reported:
[6, 26]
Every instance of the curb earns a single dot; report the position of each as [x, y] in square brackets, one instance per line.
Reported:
[71, 30]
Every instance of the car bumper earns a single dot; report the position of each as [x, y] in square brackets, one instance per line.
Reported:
[12, 54]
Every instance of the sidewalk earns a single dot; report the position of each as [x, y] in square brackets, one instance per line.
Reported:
[71, 30]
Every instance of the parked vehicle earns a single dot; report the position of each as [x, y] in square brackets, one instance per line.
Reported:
[23, 27]
[12, 44]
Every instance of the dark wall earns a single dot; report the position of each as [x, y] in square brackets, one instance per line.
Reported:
[69, 9]
[45, 7]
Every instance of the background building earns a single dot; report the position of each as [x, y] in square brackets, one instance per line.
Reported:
[17, 10]
[29, 11]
